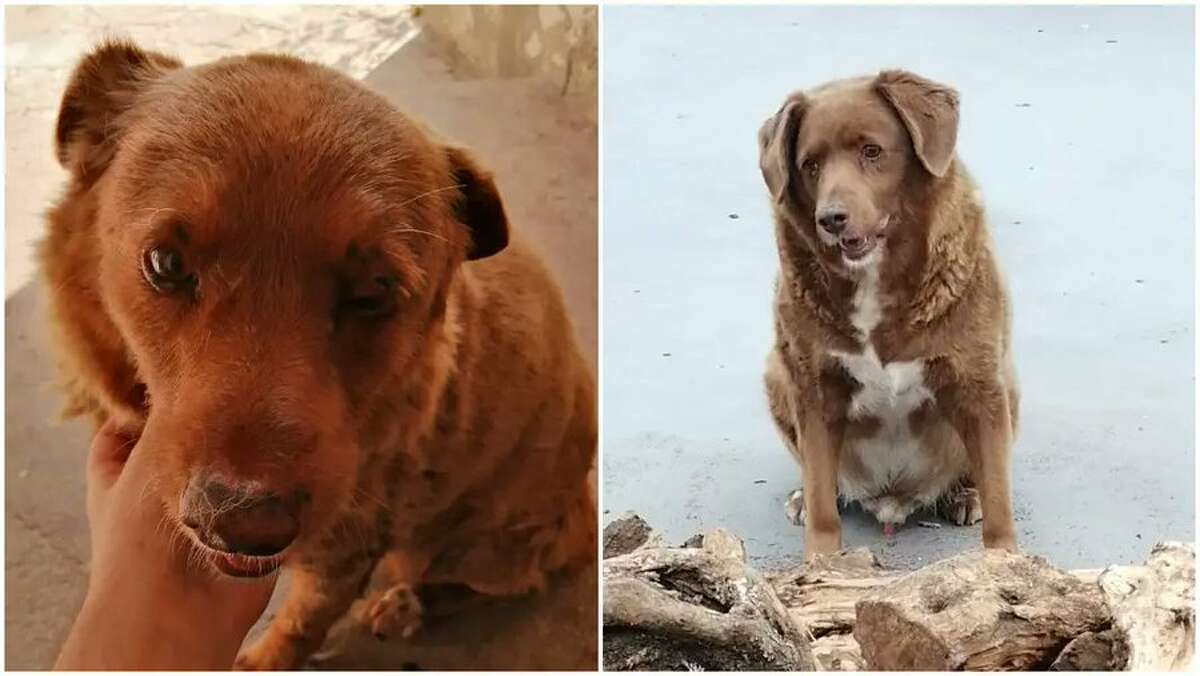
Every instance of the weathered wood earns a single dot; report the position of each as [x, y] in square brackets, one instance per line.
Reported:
[696, 608]
[984, 610]
[821, 597]
[822, 594]
[626, 533]
[1093, 651]
[838, 652]
[1153, 607]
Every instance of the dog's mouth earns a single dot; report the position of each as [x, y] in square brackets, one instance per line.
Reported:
[237, 565]
[857, 248]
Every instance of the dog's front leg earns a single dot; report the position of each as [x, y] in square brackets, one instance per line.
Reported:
[821, 444]
[985, 424]
[320, 592]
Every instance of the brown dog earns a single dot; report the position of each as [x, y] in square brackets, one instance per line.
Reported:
[890, 380]
[312, 313]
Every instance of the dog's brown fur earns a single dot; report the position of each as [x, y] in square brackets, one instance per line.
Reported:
[941, 302]
[454, 435]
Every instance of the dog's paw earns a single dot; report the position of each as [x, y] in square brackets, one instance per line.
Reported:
[247, 663]
[793, 507]
[262, 657]
[393, 612]
[962, 507]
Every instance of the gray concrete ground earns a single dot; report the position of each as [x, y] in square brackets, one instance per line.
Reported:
[1077, 123]
[542, 148]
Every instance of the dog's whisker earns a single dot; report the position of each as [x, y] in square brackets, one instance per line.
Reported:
[153, 211]
[427, 193]
[434, 235]
[358, 492]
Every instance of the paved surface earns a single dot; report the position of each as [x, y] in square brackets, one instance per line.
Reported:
[543, 152]
[1077, 122]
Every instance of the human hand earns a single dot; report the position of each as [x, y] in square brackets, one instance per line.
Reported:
[146, 605]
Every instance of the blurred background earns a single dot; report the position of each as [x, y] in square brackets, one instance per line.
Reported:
[516, 84]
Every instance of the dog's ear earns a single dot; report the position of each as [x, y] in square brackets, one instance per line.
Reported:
[777, 147]
[101, 88]
[478, 205]
[930, 113]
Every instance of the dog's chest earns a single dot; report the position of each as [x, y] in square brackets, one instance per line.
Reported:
[887, 393]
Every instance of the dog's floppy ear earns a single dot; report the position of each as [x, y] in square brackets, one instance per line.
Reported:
[478, 205]
[777, 147]
[101, 88]
[929, 112]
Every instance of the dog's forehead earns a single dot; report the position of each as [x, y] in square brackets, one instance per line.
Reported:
[239, 220]
[271, 117]
[279, 148]
[848, 108]
[835, 87]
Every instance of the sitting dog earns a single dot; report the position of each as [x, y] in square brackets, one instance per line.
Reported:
[891, 379]
[311, 312]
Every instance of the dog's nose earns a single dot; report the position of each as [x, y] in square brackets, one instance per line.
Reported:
[833, 219]
[240, 522]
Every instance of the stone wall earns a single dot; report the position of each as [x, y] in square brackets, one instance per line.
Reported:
[554, 42]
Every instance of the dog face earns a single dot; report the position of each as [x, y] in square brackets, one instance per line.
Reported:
[840, 158]
[277, 245]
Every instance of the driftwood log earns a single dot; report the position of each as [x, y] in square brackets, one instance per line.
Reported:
[821, 597]
[696, 608]
[627, 533]
[979, 610]
[982, 611]
[1154, 608]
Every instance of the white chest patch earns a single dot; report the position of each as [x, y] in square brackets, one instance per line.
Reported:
[888, 393]
[868, 310]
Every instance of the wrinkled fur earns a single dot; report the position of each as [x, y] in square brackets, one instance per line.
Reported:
[943, 304]
[455, 436]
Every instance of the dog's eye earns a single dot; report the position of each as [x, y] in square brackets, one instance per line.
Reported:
[811, 167]
[164, 269]
[871, 151]
[375, 299]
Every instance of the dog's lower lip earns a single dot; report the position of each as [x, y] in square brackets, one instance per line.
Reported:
[856, 252]
[236, 565]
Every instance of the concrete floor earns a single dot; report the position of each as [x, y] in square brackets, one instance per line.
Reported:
[1077, 123]
[543, 150]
